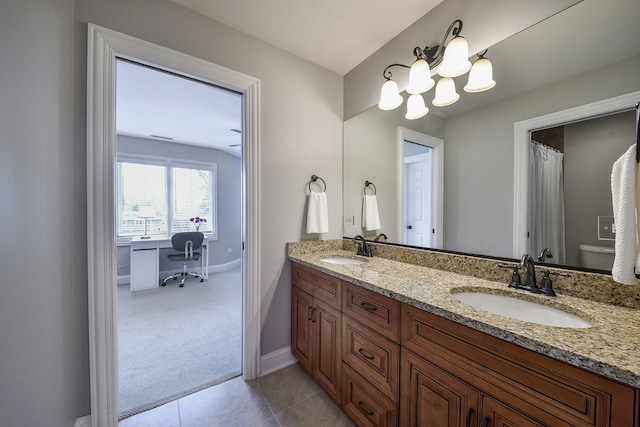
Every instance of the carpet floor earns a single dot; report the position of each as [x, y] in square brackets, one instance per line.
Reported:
[174, 341]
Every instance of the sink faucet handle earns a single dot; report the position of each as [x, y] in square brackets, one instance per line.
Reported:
[546, 286]
[516, 281]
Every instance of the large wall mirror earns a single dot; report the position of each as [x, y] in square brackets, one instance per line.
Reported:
[582, 55]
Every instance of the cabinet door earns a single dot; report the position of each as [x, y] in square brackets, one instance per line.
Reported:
[495, 414]
[144, 268]
[301, 335]
[432, 397]
[326, 357]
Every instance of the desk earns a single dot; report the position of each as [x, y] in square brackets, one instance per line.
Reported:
[145, 260]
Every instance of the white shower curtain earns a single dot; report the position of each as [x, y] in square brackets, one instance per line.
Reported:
[546, 202]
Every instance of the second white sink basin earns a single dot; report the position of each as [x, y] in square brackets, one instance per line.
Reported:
[342, 260]
[518, 309]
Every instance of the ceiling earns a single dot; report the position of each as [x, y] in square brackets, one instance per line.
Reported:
[156, 105]
[335, 34]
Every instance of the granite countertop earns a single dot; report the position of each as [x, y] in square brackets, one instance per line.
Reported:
[610, 348]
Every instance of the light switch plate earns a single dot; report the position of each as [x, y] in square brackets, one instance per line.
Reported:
[606, 228]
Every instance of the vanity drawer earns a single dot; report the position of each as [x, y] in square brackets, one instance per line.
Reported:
[365, 405]
[317, 283]
[377, 311]
[544, 388]
[376, 358]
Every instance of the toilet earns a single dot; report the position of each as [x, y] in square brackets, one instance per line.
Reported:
[598, 257]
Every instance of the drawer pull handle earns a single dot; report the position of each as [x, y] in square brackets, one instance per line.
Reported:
[364, 410]
[486, 422]
[469, 415]
[368, 307]
[366, 354]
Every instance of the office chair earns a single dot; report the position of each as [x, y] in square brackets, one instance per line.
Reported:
[186, 243]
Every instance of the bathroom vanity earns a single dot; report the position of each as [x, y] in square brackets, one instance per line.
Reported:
[391, 344]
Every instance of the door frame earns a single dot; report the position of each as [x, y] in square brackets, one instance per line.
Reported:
[104, 47]
[522, 136]
[437, 181]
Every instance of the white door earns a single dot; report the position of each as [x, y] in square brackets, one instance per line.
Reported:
[417, 209]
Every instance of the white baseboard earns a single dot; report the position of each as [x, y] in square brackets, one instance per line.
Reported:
[83, 421]
[125, 280]
[276, 360]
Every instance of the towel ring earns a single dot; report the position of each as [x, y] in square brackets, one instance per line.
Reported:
[367, 184]
[315, 178]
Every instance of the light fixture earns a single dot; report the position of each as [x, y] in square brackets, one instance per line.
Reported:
[451, 60]
[146, 212]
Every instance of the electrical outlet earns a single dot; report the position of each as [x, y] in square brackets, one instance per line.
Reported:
[606, 228]
[229, 250]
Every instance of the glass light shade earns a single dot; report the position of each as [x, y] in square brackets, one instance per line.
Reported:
[445, 92]
[480, 76]
[455, 61]
[420, 79]
[416, 107]
[389, 96]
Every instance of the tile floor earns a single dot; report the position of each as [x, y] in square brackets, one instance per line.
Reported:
[286, 398]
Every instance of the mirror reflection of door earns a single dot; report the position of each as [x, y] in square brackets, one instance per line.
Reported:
[417, 195]
[420, 189]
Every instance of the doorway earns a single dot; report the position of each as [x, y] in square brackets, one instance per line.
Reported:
[178, 159]
[104, 47]
[421, 181]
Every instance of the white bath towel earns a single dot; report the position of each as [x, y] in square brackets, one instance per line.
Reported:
[626, 208]
[317, 213]
[370, 214]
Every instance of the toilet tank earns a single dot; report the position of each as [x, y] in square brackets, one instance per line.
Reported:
[599, 257]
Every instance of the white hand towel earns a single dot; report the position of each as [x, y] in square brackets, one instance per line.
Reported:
[370, 214]
[626, 207]
[317, 213]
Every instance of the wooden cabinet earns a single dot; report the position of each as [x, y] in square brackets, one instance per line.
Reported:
[315, 326]
[389, 364]
[517, 387]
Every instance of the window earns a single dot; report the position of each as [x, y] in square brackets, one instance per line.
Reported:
[165, 194]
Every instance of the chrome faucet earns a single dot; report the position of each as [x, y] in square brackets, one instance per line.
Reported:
[379, 236]
[530, 282]
[363, 248]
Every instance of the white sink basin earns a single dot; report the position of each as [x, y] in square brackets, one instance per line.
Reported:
[342, 260]
[522, 310]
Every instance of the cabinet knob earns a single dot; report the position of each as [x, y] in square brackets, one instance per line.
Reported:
[409, 227]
